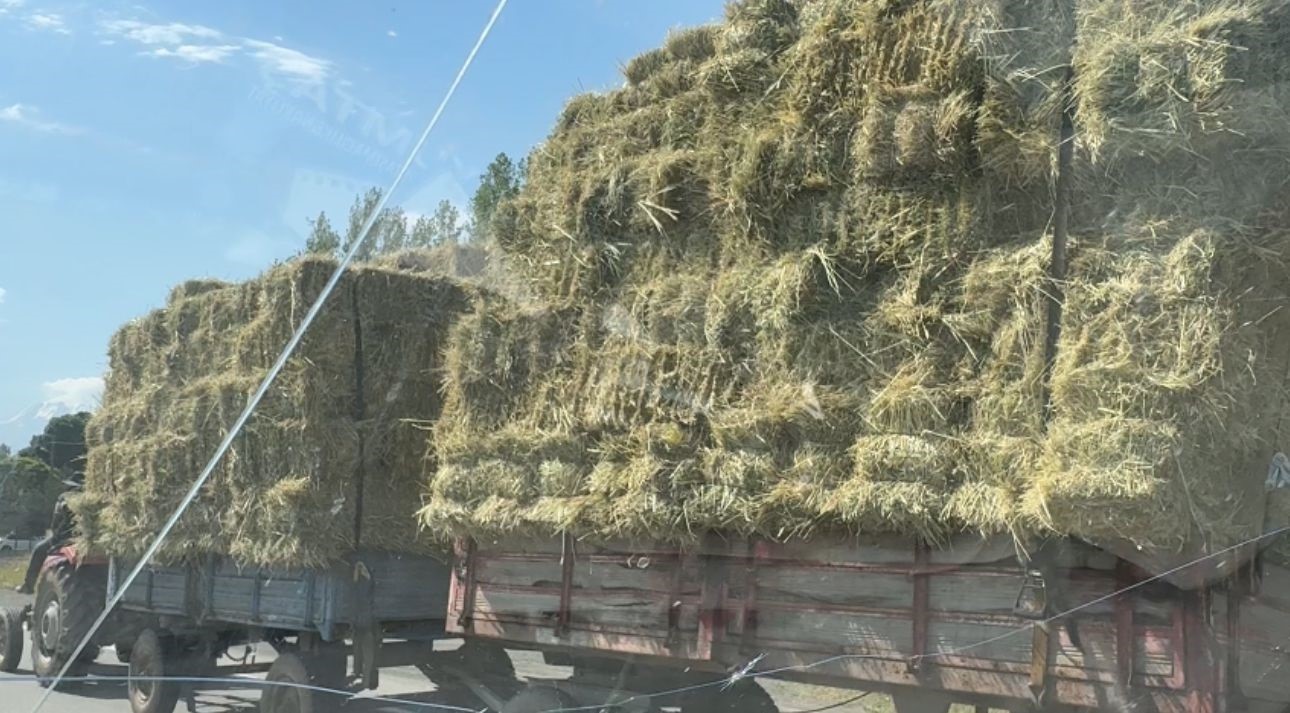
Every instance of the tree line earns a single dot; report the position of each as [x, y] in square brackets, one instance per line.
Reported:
[32, 479]
[392, 232]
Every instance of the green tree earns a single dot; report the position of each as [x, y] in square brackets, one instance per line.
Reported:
[323, 239]
[447, 225]
[61, 445]
[358, 215]
[28, 489]
[423, 233]
[500, 181]
[390, 233]
[5, 452]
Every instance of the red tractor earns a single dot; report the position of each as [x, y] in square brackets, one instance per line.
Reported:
[70, 594]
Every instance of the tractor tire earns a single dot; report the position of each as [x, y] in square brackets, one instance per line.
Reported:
[67, 603]
[10, 639]
[152, 659]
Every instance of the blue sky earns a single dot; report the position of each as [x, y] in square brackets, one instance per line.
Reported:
[144, 144]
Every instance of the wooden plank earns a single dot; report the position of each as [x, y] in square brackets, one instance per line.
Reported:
[489, 570]
[657, 577]
[531, 605]
[1001, 643]
[843, 551]
[803, 585]
[967, 592]
[891, 636]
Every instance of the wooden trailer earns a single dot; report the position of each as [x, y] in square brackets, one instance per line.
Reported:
[966, 623]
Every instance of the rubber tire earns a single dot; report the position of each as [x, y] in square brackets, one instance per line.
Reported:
[538, 699]
[487, 659]
[151, 656]
[744, 697]
[292, 668]
[81, 598]
[11, 634]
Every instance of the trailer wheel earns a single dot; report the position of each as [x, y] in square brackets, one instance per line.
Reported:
[149, 659]
[922, 701]
[743, 697]
[10, 639]
[487, 658]
[67, 603]
[293, 680]
[538, 699]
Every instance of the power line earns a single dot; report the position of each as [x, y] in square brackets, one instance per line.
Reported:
[277, 365]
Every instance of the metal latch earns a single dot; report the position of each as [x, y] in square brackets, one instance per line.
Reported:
[1032, 599]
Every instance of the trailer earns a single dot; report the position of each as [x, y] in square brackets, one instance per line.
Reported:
[964, 623]
[376, 609]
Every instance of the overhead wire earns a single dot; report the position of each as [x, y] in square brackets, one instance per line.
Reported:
[278, 365]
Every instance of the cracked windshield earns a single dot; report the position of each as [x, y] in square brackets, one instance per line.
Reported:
[565, 356]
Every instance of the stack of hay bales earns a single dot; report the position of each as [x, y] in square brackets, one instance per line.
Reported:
[331, 459]
[793, 276]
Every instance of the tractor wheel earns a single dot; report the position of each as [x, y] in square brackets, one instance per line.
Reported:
[10, 639]
[68, 601]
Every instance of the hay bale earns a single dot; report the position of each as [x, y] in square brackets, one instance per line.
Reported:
[336, 428]
[801, 262]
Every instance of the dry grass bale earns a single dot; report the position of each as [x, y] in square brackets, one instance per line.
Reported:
[911, 135]
[778, 416]
[1166, 78]
[803, 256]
[693, 44]
[888, 508]
[632, 381]
[796, 502]
[192, 288]
[335, 428]
[495, 354]
[644, 66]
[902, 458]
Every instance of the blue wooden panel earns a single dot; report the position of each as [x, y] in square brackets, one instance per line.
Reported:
[403, 588]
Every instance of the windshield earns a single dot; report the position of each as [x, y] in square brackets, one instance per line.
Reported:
[531, 357]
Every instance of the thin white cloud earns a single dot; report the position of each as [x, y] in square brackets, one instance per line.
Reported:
[29, 117]
[7, 5]
[171, 33]
[82, 393]
[293, 64]
[2, 294]
[49, 22]
[201, 44]
[391, 33]
[197, 54]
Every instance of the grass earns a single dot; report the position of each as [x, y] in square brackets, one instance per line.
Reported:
[12, 570]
